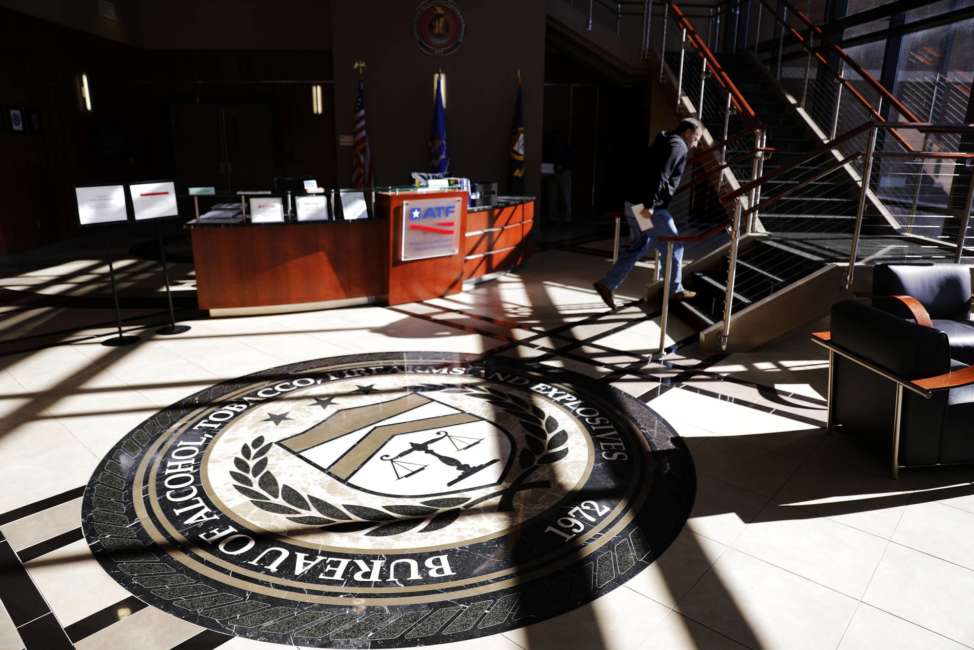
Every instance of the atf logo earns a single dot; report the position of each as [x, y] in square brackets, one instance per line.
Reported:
[388, 500]
[432, 212]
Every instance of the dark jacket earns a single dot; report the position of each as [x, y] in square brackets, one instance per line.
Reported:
[667, 159]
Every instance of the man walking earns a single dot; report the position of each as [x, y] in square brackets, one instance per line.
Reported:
[667, 159]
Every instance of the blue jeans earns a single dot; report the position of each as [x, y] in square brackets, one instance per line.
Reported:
[641, 243]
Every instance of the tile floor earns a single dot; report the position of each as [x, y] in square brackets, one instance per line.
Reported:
[798, 539]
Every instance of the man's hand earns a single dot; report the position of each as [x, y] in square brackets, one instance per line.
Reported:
[646, 213]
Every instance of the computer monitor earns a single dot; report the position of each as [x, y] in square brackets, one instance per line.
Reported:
[354, 205]
[293, 184]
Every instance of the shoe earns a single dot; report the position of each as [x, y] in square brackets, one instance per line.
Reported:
[606, 294]
[686, 294]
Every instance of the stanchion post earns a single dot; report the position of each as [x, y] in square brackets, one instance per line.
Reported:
[781, 37]
[735, 236]
[866, 175]
[615, 239]
[121, 339]
[965, 217]
[667, 283]
[757, 29]
[172, 328]
[838, 105]
[679, 78]
[808, 65]
[728, 107]
[662, 46]
[703, 82]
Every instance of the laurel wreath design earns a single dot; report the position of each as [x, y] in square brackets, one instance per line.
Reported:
[545, 444]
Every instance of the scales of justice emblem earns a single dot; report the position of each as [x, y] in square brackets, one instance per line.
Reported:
[413, 445]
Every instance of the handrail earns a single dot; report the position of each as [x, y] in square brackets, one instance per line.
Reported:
[825, 147]
[715, 68]
[928, 127]
[848, 60]
[717, 145]
[719, 168]
[804, 183]
[884, 93]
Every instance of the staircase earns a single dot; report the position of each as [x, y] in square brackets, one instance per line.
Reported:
[804, 232]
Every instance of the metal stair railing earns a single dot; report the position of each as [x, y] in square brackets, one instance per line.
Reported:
[723, 109]
[954, 200]
[824, 165]
[831, 87]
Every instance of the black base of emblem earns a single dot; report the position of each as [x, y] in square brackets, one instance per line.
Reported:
[170, 330]
[120, 341]
[151, 524]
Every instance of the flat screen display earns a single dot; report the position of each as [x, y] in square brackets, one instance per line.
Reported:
[311, 208]
[354, 206]
[266, 209]
[101, 204]
[154, 200]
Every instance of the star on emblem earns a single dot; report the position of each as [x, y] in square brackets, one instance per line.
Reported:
[324, 402]
[276, 418]
[415, 213]
[365, 390]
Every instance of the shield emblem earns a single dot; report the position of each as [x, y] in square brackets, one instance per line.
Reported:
[411, 446]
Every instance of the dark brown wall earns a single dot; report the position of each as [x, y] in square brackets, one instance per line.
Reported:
[39, 169]
[236, 24]
[500, 37]
[131, 134]
[83, 15]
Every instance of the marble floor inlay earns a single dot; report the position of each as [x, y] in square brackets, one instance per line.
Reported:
[388, 499]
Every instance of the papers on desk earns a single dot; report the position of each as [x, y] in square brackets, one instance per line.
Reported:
[222, 213]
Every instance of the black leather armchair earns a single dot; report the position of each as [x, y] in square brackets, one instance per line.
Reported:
[935, 295]
[894, 383]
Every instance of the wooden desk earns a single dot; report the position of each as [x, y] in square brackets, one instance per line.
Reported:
[265, 268]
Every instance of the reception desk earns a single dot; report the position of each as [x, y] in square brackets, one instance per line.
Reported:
[244, 268]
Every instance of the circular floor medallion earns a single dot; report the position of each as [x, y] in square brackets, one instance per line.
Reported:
[388, 500]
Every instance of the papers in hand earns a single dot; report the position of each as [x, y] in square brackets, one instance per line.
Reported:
[645, 223]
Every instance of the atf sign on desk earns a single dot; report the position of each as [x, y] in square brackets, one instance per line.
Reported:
[430, 228]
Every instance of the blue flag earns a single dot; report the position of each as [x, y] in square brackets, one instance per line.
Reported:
[517, 144]
[439, 161]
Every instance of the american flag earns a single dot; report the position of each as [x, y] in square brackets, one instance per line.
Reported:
[361, 156]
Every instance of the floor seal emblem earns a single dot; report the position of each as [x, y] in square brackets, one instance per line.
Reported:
[388, 500]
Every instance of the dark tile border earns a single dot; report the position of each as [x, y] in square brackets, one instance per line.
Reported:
[102, 619]
[205, 640]
[42, 505]
[21, 598]
[53, 544]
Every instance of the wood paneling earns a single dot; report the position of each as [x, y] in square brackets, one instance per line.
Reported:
[285, 264]
[502, 240]
[281, 264]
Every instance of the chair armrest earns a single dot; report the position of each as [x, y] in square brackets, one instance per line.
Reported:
[920, 315]
[948, 380]
[925, 387]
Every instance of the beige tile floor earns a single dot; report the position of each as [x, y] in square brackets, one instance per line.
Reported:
[797, 538]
